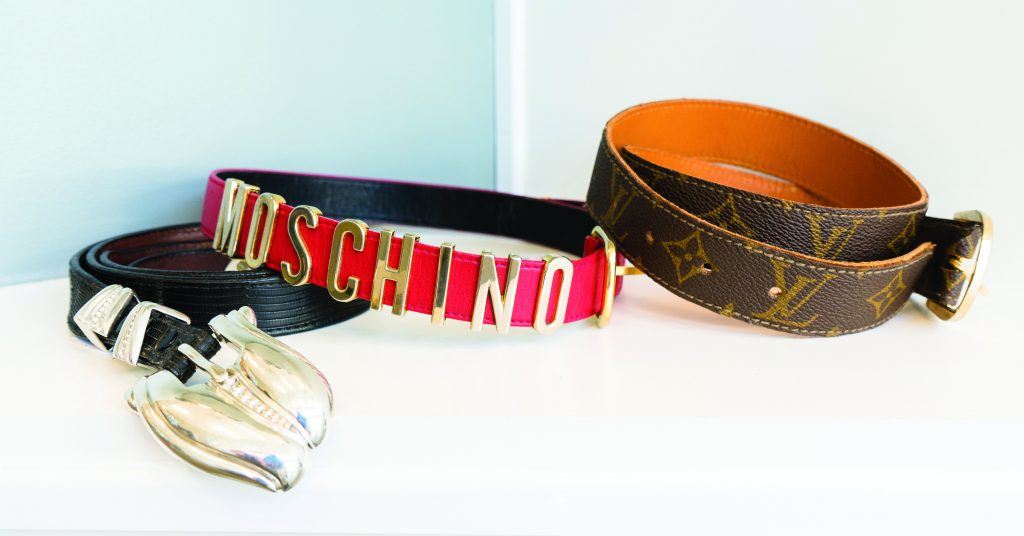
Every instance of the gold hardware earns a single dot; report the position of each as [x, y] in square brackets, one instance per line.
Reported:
[552, 265]
[229, 221]
[962, 264]
[972, 268]
[357, 229]
[266, 205]
[604, 316]
[399, 275]
[310, 217]
[627, 270]
[444, 265]
[487, 284]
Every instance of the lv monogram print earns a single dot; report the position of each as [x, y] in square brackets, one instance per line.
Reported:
[620, 198]
[838, 237]
[727, 217]
[883, 299]
[958, 242]
[803, 255]
[902, 241]
[796, 292]
[688, 256]
[954, 276]
[728, 310]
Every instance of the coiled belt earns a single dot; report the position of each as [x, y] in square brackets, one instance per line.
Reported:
[769, 218]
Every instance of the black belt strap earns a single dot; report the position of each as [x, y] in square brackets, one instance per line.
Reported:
[176, 267]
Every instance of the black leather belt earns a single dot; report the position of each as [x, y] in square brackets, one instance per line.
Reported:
[176, 267]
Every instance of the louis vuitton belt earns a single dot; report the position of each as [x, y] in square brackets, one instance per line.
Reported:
[401, 273]
[175, 267]
[772, 219]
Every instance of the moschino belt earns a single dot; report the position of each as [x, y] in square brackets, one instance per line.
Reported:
[246, 215]
[776, 220]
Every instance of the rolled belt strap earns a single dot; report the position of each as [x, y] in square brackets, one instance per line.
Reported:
[175, 267]
[776, 220]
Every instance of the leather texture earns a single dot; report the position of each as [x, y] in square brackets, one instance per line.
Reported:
[770, 218]
[175, 266]
[561, 225]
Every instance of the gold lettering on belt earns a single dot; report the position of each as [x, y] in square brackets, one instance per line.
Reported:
[357, 230]
[309, 217]
[265, 208]
[487, 284]
[229, 220]
[553, 264]
[792, 297]
[444, 265]
[399, 275]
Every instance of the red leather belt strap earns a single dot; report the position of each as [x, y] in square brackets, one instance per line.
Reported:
[559, 224]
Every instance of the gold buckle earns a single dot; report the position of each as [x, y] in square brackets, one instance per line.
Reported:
[604, 316]
[972, 267]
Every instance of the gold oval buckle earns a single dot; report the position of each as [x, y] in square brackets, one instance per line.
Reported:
[972, 267]
[604, 316]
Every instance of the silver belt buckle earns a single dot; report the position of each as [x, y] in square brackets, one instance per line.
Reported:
[255, 421]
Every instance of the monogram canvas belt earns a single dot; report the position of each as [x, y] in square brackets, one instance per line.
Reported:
[772, 219]
[246, 215]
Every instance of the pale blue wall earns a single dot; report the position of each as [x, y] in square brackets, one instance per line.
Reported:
[113, 112]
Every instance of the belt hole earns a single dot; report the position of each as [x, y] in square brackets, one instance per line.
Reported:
[774, 292]
[706, 268]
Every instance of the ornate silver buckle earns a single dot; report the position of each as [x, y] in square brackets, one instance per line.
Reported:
[98, 315]
[254, 421]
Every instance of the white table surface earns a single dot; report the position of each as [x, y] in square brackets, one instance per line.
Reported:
[671, 420]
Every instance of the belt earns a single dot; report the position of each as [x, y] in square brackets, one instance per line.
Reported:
[401, 273]
[175, 267]
[776, 220]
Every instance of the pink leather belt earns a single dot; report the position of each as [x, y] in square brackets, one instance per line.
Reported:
[400, 272]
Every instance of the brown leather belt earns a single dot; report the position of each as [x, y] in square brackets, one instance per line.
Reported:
[776, 220]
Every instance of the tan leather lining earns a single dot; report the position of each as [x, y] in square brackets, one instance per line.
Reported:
[726, 176]
[827, 167]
